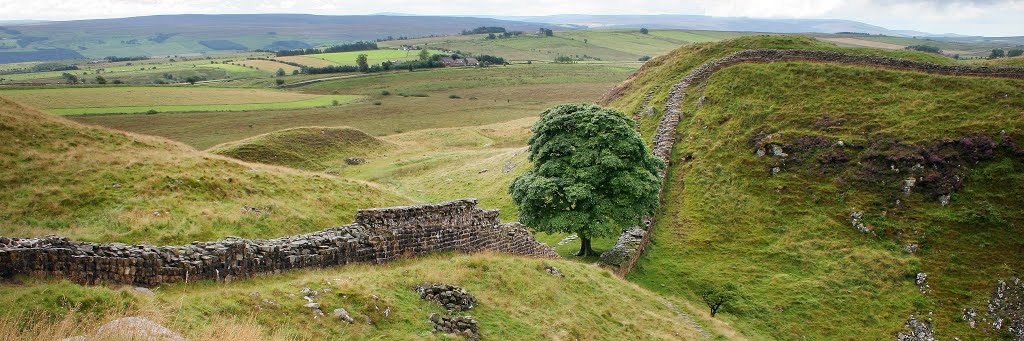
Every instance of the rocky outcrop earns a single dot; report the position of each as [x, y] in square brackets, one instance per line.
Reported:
[665, 135]
[378, 235]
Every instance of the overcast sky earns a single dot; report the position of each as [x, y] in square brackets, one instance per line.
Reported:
[977, 17]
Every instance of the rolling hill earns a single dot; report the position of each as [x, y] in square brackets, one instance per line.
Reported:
[310, 148]
[95, 184]
[841, 200]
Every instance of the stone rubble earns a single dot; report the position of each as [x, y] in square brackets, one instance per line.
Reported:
[465, 326]
[916, 330]
[1005, 309]
[451, 297]
[378, 235]
[553, 271]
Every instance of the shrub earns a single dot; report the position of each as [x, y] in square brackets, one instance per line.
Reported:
[279, 81]
[645, 58]
[385, 93]
[454, 96]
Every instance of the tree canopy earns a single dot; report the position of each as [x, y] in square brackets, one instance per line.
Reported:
[592, 174]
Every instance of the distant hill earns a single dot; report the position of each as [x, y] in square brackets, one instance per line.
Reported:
[703, 22]
[181, 34]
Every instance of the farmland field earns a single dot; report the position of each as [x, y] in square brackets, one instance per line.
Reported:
[82, 101]
[487, 95]
[373, 56]
[267, 65]
[307, 61]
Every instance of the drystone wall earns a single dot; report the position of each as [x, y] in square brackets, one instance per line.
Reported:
[378, 235]
[627, 251]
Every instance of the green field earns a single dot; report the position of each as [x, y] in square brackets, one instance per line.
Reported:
[374, 57]
[488, 95]
[785, 241]
[319, 101]
[132, 100]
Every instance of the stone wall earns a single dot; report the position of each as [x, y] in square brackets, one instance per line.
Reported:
[378, 235]
[627, 252]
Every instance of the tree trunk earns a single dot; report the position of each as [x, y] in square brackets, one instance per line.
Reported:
[585, 249]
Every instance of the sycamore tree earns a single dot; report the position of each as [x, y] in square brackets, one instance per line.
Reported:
[592, 174]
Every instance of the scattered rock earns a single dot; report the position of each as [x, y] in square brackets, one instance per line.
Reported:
[908, 184]
[911, 248]
[922, 282]
[116, 185]
[135, 328]
[343, 315]
[553, 271]
[1006, 308]
[509, 167]
[246, 209]
[482, 171]
[916, 330]
[144, 291]
[451, 297]
[465, 326]
[857, 223]
[353, 161]
[944, 200]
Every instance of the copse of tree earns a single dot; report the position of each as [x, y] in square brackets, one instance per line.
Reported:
[1015, 53]
[644, 31]
[484, 29]
[329, 69]
[548, 32]
[356, 46]
[491, 36]
[486, 59]
[997, 53]
[717, 297]
[924, 48]
[72, 79]
[424, 55]
[280, 72]
[115, 59]
[565, 60]
[361, 62]
[41, 67]
[592, 174]
[101, 80]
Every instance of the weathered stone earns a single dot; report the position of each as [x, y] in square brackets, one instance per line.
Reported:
[916, 330]
[135, 328]
[451, 297]
[343, 315]
[378, 235]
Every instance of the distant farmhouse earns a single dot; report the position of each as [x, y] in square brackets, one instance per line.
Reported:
[452, 62]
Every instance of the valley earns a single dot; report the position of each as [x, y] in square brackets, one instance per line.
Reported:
[829, 185]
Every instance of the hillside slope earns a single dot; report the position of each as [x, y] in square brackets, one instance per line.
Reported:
[840, 199]
[310, 148]
[94, 184]
[516, 298]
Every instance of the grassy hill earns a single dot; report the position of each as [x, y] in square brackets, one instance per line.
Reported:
[310, 148]
[851, 136]
[516, 299]
[94, 184]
